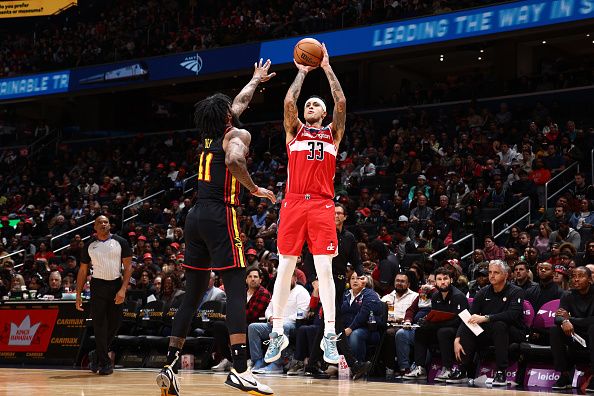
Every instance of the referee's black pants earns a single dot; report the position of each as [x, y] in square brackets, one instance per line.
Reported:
[106, 315]
[342, 344]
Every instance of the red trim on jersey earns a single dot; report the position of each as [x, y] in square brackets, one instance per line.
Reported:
[209, 268]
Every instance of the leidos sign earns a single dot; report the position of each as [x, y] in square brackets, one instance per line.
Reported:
[27, 8]
[26, 331]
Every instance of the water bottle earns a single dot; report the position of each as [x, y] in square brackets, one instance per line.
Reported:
[300, 316]
[87, 291]
[371, 322]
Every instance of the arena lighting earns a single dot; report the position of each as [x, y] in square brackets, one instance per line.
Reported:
[588, 35]
[480, 58]
[544, 41]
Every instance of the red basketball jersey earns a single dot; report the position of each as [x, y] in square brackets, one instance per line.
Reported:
[312, 162]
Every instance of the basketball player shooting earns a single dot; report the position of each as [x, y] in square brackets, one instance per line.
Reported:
[307, 212]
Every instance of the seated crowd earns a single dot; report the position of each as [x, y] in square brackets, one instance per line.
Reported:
[409, 193]
[103, 31]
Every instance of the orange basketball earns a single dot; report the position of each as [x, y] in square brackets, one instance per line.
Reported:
[308, 52]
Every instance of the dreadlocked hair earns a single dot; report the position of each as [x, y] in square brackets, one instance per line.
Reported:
[210, 116]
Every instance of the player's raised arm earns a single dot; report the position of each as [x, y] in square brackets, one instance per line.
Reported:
[339, 116]
[243, 98]
[291, 118]
[236, 146]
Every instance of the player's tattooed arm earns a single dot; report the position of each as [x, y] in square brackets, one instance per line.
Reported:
[291, 118]
[236, 146]
[243, 99]
[339, 116]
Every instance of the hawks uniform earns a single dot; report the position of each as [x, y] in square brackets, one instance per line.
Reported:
[212, 226]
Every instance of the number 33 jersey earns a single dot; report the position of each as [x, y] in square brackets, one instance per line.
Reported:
[312, 162]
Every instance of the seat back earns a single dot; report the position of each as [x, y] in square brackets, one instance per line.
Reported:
[545, 317]
[528, 316]
[150, 318]
[129, 317]
[208, 312]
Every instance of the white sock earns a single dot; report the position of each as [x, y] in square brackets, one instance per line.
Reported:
[323, 264]
[282, 289]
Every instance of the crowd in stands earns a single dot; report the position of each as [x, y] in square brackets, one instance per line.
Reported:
[410, 188]
[108, 31]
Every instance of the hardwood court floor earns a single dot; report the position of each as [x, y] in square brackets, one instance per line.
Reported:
[141, 382]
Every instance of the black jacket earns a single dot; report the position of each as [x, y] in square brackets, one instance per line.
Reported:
[542, 294]
[455, 302]
[580, 308]
[505, 306]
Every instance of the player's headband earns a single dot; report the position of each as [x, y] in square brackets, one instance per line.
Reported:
[318, 101]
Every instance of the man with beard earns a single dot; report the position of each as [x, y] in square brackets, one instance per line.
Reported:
[575, 316]
[522, 276]
[446, 303]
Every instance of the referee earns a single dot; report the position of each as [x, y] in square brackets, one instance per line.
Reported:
[106, 253]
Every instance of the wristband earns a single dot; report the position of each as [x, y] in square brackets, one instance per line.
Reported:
[254, 190]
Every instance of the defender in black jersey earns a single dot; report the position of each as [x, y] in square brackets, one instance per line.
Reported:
[212, 231]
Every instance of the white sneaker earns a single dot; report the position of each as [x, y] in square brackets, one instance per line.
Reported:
[224, 365]
[444, 375]
[247, 382]
[418, 373]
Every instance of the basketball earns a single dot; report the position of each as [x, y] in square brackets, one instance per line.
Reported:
[308, 52]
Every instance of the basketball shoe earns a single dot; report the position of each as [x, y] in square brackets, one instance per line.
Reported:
[167, 381]
[246, 382]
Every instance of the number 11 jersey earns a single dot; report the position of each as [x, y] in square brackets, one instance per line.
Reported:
[312, 162]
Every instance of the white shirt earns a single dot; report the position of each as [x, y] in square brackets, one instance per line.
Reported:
[298, 299]
[402, 303]
[106, 256]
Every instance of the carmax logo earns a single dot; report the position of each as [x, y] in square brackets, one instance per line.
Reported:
[193, 63]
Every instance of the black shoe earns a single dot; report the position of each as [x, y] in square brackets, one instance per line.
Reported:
[360, 369]
[106, 370]
[93, 364]
[316, 372]
[564, 382]
[457, 376]
[590, 387]
[500, 379]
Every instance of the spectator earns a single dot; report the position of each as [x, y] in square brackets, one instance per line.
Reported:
[54, 287]
[542, 240]
[584, 218]
[498, 309]
[257, 332]
[522, 277]
[566, 234]
[574, 316]
[212, 293]
[358, 306]
[440, 330]
[491, 250]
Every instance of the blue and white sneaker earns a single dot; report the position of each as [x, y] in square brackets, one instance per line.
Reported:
[276, 344]
[272, 368]
[328, 345]
[258, 365]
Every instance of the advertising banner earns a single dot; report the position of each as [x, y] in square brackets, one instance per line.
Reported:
[34, 85]
[170, 67]
[40, 332]
[29, 8]
[438, 28]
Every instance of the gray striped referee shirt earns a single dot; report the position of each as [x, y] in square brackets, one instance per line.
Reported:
[106, 256]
